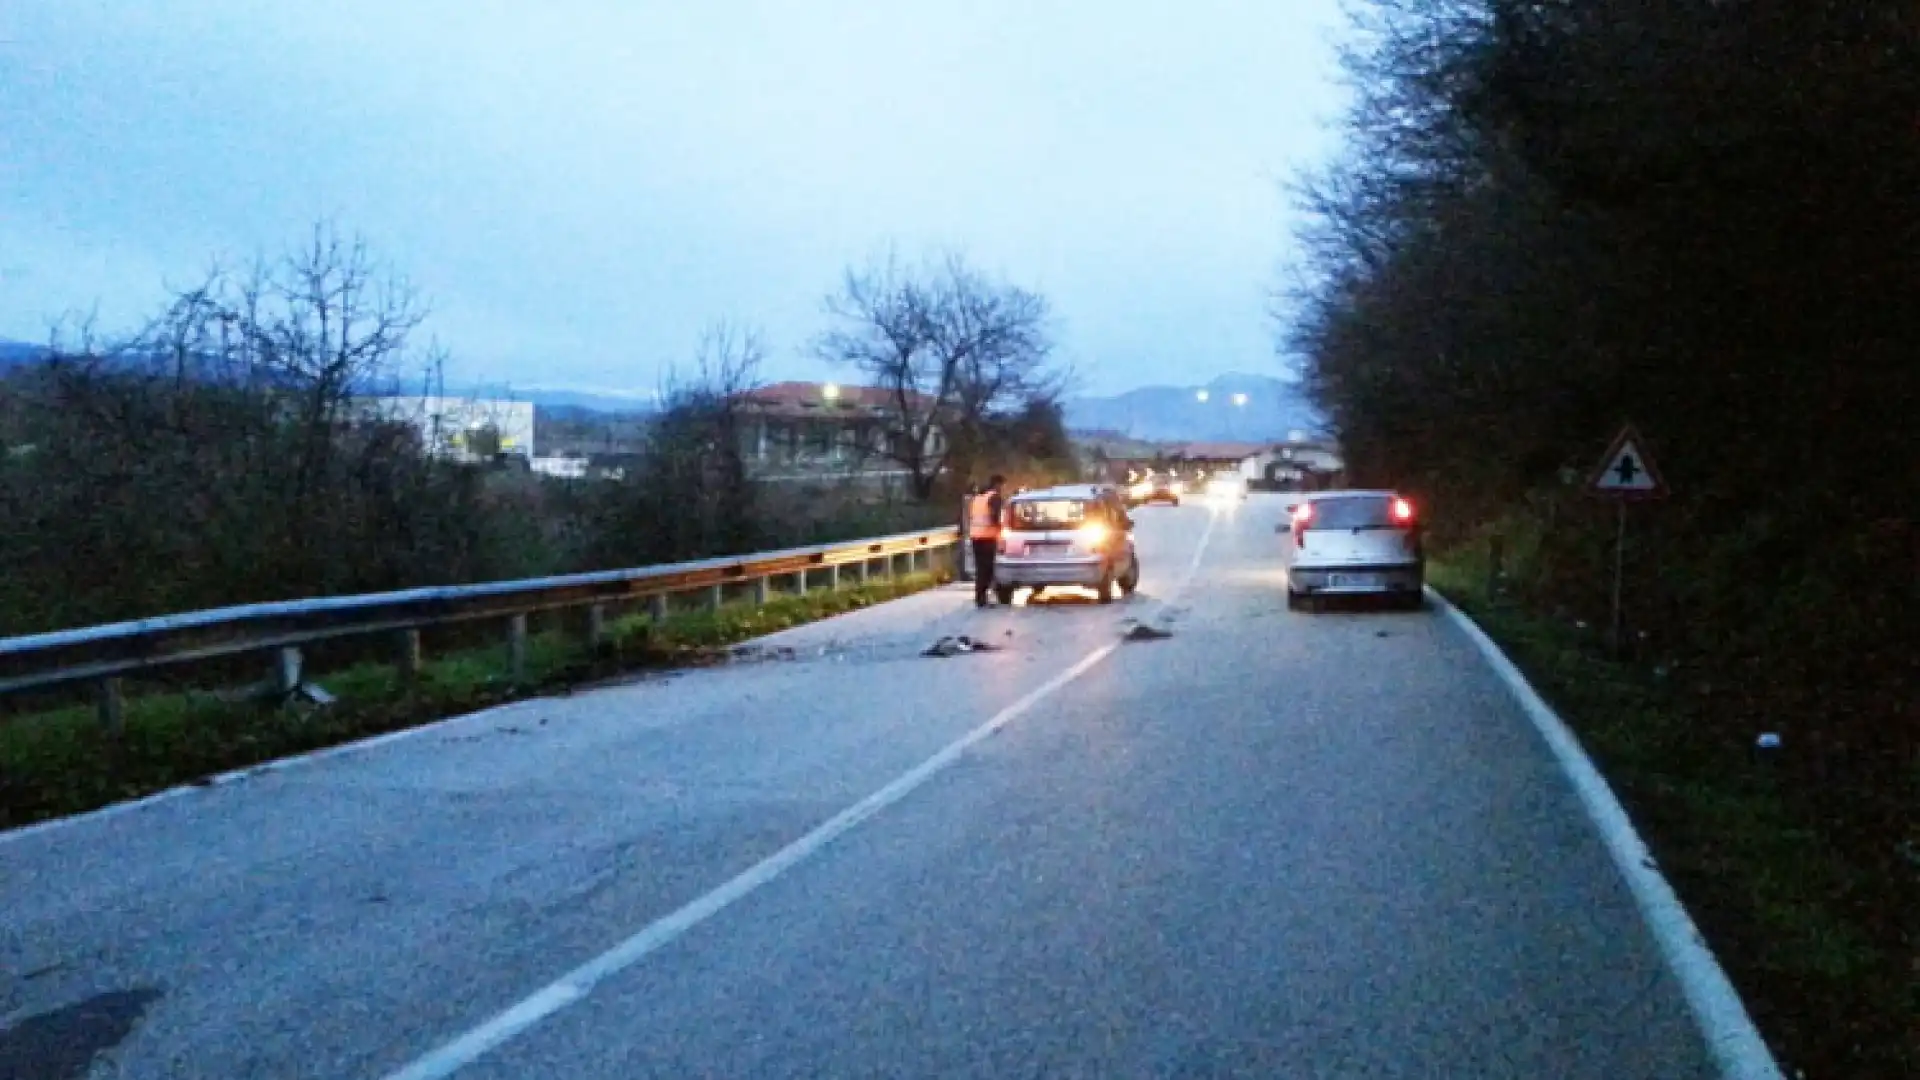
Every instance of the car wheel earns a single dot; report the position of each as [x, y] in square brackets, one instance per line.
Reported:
[1412, 601]
[1293, 600]
[1003, 593]
[1105, 589]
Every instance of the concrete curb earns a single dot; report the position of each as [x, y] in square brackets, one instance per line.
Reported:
[1733, 1040]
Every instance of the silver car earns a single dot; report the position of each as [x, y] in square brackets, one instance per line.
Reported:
[1354, 542]
[1079, 535]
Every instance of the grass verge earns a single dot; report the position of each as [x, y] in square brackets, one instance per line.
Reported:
[1792, 921]
[57, 763]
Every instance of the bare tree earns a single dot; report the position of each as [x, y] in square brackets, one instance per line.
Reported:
[949, 346]
[221, 442]
[689, 494]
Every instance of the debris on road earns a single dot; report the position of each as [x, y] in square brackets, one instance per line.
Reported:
[1143, 632]
[955, 645]
[749, 653]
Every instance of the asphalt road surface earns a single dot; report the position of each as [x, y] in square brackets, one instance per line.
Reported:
[1271, 844]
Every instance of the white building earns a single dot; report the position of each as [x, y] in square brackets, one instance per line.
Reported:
[563, 466]
[1301, 461]
[465, 428]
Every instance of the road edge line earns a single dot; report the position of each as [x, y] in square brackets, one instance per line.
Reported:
[1732, 1038]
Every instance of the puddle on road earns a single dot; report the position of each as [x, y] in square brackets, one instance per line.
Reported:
[62, 1044]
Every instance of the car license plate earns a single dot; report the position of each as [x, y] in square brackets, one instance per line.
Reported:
[1046, 548]
[1353, 581]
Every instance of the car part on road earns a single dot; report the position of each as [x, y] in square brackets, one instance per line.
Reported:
[1143, 632]
[952, 645]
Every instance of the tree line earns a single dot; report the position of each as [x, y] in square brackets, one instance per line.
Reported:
[222, 452]
[1550, 218]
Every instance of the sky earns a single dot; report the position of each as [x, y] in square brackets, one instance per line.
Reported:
[579, 187]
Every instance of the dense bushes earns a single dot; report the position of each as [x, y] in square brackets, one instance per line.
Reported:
[1551, 218]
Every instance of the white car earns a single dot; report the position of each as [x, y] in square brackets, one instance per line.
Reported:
[1354, 542]
[1077, 535]
[1226, 485]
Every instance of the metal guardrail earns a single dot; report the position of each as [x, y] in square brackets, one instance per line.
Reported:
[105, 654]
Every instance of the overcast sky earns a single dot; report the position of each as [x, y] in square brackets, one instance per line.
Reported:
[580, 185]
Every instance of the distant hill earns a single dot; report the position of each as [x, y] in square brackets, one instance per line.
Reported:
[1176, 414]
[559, 404]
[563, 402]
[1156, 413]
[18, 354]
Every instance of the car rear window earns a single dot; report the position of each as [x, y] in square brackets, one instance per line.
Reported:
[1050, 513]
[1352, 512]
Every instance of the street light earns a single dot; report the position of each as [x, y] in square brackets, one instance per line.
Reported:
[1239, 399]
[1199, 395]
[831, 392]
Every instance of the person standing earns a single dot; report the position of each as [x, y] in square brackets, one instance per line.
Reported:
[983, 531]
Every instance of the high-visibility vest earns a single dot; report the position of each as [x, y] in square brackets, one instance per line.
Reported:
[981, 524]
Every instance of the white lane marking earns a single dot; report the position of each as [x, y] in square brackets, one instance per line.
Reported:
[1199, 552]
[577, 983]
[469, 1047]
[1735, 1043]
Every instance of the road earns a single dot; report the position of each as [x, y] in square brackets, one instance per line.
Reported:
[1271, 844]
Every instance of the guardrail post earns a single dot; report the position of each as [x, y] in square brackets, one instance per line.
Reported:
[762, 589]
[111, 705]
[286, 672]
[406, 655]
[657, 608]
[716, 595]
[833, 576]
[596, 625]
[517, 646]
[800, 583]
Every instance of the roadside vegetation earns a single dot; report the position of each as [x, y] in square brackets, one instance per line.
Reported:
[1548, 220]
[61, 761]
[224, 454]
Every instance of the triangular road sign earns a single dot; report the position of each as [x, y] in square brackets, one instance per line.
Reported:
[1626, 472]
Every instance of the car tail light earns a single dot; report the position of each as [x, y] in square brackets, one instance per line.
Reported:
[1402, 512]
[1302, 514]
[1093, 534]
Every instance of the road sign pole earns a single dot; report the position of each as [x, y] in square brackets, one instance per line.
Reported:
[1619, 575]
[1625, 473]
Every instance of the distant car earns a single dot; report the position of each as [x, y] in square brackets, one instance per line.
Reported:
[1076, 535]
[1226, 485]
[1354, 542]
[1160, 487]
